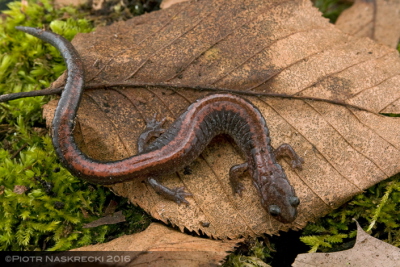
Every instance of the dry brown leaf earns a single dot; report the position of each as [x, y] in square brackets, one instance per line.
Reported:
[114, 218]
[159, 245]
[367, 251]
[376, 19]
[167, 3]
[111, 207]
[251, 46]
[20, 189]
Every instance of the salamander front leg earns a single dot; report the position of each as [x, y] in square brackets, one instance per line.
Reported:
[153, 129]
[235, 174]
[287, 150]
[176, 194]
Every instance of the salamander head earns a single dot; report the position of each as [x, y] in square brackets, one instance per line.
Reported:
[279, 199]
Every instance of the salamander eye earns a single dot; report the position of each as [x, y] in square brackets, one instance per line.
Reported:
[274, 210]
[294, 201]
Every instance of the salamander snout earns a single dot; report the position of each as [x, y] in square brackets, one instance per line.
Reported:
[280, 201]
[288, 213]
[274, 210]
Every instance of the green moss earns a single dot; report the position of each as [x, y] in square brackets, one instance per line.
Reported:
[331, 9]
[42, 206]
[253, 253]
[377, 210]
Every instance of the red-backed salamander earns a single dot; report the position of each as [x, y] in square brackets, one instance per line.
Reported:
[180, 144]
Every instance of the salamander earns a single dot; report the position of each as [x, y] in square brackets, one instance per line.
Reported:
[180, 144]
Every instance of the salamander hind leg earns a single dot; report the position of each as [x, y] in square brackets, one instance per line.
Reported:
[235, 174]
[176, 194]
[287, 150]
[153, 129]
